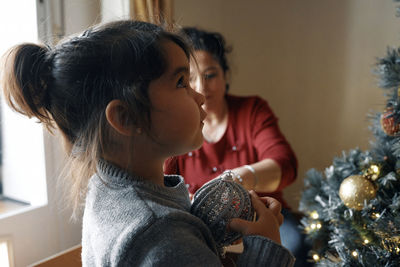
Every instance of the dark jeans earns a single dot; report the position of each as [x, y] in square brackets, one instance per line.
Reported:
[294, 240]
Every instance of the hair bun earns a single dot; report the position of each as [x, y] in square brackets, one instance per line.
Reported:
[27, 74]
[219, 201]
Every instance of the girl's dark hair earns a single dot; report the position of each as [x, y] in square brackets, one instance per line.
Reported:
[70, 85]
[211, 42]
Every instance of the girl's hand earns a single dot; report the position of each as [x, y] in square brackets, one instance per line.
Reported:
[274, 205]
[269, 218]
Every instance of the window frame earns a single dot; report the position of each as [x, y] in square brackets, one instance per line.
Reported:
[43, 228]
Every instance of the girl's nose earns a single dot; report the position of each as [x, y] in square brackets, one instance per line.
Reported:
[202, 99]
[199, 97]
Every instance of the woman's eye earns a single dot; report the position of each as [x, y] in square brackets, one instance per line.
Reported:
[181, 83]
[209, 76]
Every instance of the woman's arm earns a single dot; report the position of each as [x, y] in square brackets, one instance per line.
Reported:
[263, 176]
[277, 164]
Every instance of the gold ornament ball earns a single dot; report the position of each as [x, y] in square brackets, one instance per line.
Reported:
[373, 172]
[354, 190]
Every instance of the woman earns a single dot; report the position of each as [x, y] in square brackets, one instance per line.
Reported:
[241, 134]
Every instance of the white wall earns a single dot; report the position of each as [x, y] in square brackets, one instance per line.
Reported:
[311, 60]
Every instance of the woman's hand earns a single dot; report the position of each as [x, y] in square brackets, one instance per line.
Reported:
[269, 218]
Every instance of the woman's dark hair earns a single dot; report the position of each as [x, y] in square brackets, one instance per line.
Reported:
[212, 42]
[70, 85]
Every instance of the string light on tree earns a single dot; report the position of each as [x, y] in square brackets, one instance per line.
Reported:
[312, 223]
[316, 257]
[315, 226]
[314, 215]
[375, 215]
[354, 254]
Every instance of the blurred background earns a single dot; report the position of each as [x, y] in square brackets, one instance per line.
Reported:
[312, 61]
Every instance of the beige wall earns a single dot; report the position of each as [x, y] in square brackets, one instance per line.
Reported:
[311, 60]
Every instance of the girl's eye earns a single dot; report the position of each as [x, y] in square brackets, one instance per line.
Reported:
[182, 83]
[209, 76]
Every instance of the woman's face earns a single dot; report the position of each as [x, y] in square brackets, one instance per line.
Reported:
[208, 78]
[176, 116]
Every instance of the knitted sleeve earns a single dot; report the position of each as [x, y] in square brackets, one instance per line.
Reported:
[269, 142]
[260, 251]
[172, 242]
[180, 243]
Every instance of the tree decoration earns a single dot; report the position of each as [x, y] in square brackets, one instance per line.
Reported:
[372, 172]
[392, 244]
[389, 125]
[353, 207]
[355, 191]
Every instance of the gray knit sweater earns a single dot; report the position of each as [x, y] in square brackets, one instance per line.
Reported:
[131, 222]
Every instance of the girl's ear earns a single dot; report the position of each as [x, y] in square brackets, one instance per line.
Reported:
[117, 115]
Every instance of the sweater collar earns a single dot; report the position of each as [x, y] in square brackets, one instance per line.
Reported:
[174, 187]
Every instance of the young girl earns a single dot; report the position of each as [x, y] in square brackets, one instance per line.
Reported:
[120, 96]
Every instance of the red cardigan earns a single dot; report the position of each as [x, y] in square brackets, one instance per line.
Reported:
[252, 135]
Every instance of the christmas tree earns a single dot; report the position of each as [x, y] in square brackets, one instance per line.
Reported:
[353, 208]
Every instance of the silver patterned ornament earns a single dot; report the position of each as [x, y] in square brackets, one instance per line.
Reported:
[219, 201]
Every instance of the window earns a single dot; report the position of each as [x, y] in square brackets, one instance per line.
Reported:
[6, 258]
[1, 172]
[31, 158]
[22, 164]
